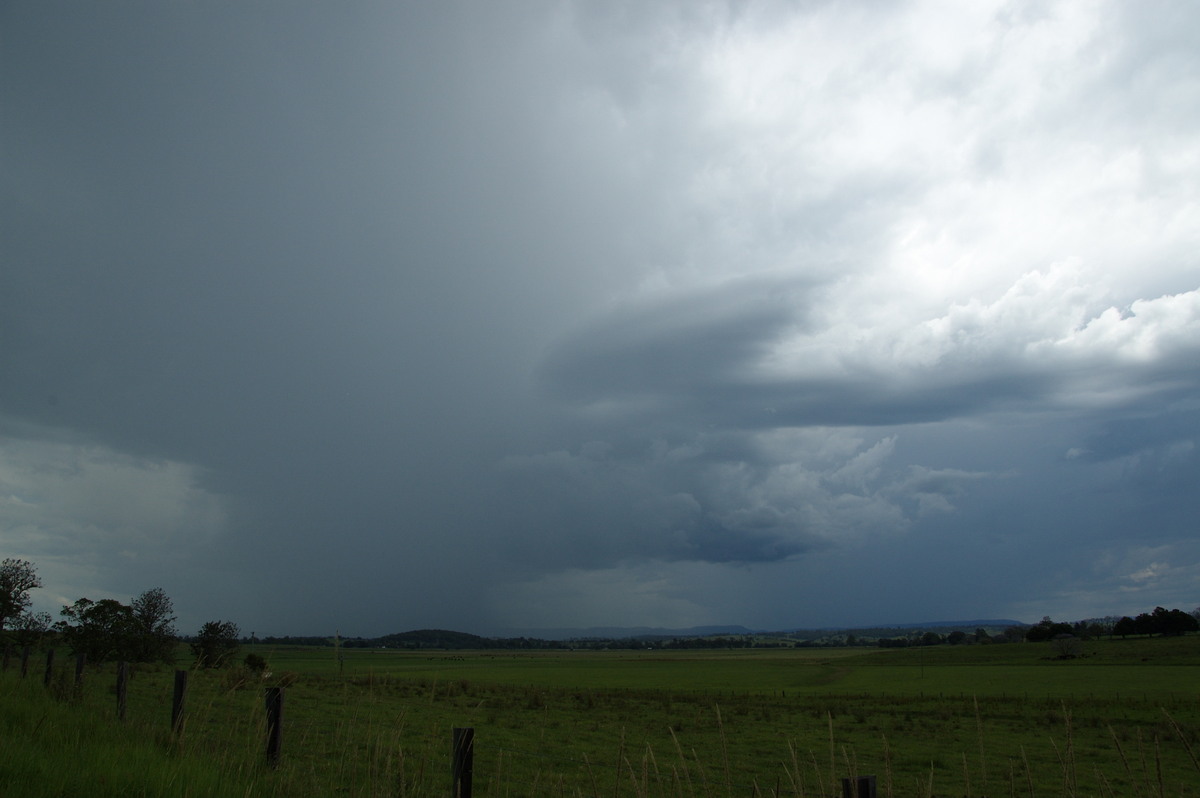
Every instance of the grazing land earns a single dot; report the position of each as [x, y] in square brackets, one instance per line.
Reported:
[1121, 718]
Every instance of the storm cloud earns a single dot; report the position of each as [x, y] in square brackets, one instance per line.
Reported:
[389, 316]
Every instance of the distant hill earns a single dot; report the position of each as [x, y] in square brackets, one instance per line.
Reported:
[431, 638]
[446, 639]
[625, 632]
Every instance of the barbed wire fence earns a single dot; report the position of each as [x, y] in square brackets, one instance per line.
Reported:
[564, 772]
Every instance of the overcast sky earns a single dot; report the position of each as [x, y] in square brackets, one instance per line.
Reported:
[488, 316]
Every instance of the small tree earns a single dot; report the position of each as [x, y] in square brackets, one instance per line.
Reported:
[100, 630]
[1048, 630]
[1125, 626]
[142, 631]
[154, 617]
[216, 643]
[1066, 646]
[1166, 622]
[29, 628]
[17, 578]
[255, 663]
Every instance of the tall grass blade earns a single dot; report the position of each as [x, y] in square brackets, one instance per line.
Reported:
[633, 777]
[817, 771]
[682, 761]
[725, 755]
[1158, 772]
[983, 777]
[887, 767]
[793, 773]
[1124, 761]
[1183, 738]
[591, 775]
[620, 758]
[1028, 771]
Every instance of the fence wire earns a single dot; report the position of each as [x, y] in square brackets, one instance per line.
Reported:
[568, 774]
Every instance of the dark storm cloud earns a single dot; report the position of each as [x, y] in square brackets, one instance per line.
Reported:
[446, 314]
[678, 346]
[279, 248]
[659, 502]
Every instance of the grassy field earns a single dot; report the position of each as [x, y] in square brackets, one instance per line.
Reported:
[1000, 720]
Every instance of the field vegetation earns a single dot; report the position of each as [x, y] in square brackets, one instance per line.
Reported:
[1119, 718]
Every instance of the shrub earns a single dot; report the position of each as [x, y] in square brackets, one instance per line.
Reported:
[216, 644]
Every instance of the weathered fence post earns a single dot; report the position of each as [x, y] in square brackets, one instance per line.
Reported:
[122, 688]
[865, 784]
[7, 655]
[274, 725]
[462, 762]
[25, 652]
[177, 702]
[49, 667]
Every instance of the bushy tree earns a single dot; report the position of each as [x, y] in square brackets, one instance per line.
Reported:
[255, 663]
[1011, 634]
[1125, 626]
[1066, 646]
[101, 630]
[28, 628]
[142, 631]
[1048, 630]
[1165, 622]
[1160, 622]
[154, 617]
[17, 578]
[215, 644]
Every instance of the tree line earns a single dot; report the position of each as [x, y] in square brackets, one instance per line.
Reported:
[1160, 621]
[107, 630]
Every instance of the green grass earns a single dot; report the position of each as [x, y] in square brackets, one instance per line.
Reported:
[56, 745]
[983, 721]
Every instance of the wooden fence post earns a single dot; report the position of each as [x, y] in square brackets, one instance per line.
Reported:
[25, 652]
[49, 667]
[274, 725]
[122, 688]
[177, 702]
[865, 784]
[462, 762]
[7, 654]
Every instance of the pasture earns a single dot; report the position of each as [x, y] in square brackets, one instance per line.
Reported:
[989, 720]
